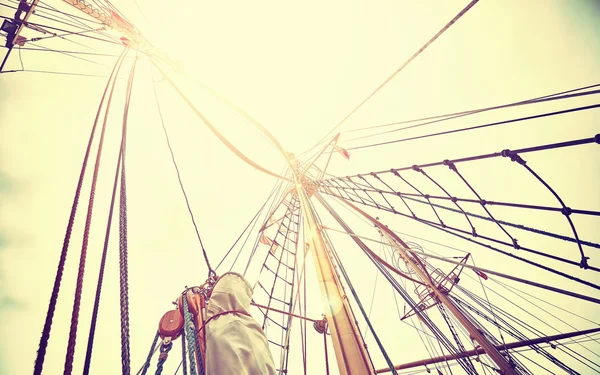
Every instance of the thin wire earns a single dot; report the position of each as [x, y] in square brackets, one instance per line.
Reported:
[373, 293]
[45, 49]
[439, 33]
[52, 72]
[441, 118]
[21, 59]
[547, 114]
[63, 30]
[67, 54]
[244, 231]
[187, 202]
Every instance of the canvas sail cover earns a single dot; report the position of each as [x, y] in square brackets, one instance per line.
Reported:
[235, 343]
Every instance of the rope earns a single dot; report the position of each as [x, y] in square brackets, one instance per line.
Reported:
[82, 260]
[253, 223]
[417, 169]
[437, 35]
[211, 272]
[62, 30]
[326, 356]
[547, 114]
[216, 132]
[150, 353]
[550, 146]
[52, 72]
[507, 223]
[512, 244]
[370, 255]
[453, 168]
[447, 230]
[450, 116]
[486, 270]
[183, 359]
[88, 354]
[39, 361]
[162, 357]
[566, 211]
[123, 266]
[189, 329]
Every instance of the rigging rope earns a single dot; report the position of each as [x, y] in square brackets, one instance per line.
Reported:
[439, 33]
[88, 355]
[451, 116]
[153, 348]
[27, 23]
[211, 272]
[507, 223]
[162, 357]
[183, 353]
[82, 260]
[39, 361]
[253, 223]
[214, 130]
[335, 257]
[486, 270]
[326, 356]
[566, 211]
[123, 266]
[441, 225]
[519, 119]
[190, 332]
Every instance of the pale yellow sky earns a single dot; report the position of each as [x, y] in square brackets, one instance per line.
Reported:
[299, 69]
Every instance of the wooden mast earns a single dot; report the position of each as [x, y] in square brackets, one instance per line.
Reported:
[350, 349]
[490, 349]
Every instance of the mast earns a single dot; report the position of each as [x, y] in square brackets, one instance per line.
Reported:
[490, 349]
[350, 349]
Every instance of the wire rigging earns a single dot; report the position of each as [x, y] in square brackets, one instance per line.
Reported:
[475, 127]
[123, 251]
[387, 80]
[187, 202]
[568, 94]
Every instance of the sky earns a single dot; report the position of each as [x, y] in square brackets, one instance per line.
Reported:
[298, 69]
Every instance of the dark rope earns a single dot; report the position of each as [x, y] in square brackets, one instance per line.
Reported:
[417, 169]
[440, 118]
[123, 266]
[337, 260]
[507, 223]
[453, 168]
[446, 229]
[326, 356]
[82, 260]
[566, 211]
[519, 119]
[88, 354]
[39, 361]
[162, 357]
[414, 56]
[150, 353]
